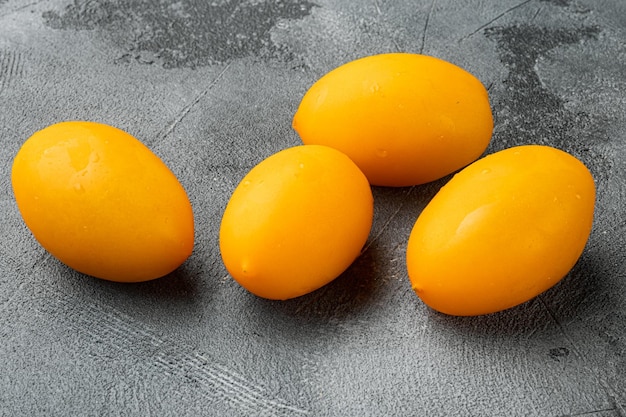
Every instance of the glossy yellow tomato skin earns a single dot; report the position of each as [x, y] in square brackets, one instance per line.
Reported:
[405, 119]
[503, 230]
[296, 221]
[101, 202]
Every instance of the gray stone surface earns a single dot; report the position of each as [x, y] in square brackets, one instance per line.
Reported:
[211, 87]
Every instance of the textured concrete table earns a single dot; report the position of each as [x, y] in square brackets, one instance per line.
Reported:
[211, 87]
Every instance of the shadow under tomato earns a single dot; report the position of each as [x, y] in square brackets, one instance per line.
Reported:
[515, 321]
[181, 284]
[589, 289]
[580, 293]
[395, 212]
[346, 295]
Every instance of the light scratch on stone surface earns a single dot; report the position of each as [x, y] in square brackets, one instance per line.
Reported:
[387, 222]
[539, 10]
[185, 111]
[377, 5]
[380, 14]
[610, 391]
[113, 330]
[498, 17]
[428, 16]
[205, 372]
[558, 324]
[17, 9]
[10, 67]
[591, 413]
[22, 285]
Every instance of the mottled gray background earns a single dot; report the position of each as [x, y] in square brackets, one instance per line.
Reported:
[212, 87]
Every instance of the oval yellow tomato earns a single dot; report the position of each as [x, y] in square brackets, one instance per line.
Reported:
[102, 203]
[503, 230]
[405, 119]
[295, 222]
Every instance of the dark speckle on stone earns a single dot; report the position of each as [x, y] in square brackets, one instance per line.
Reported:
[188, 33]
[563, 3]
[558, 352]
[535, 114]
[532, 114]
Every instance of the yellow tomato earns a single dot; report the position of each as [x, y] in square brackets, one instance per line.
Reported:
[405, 119]
[102, 203]
[502, 231]
[296, 221]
